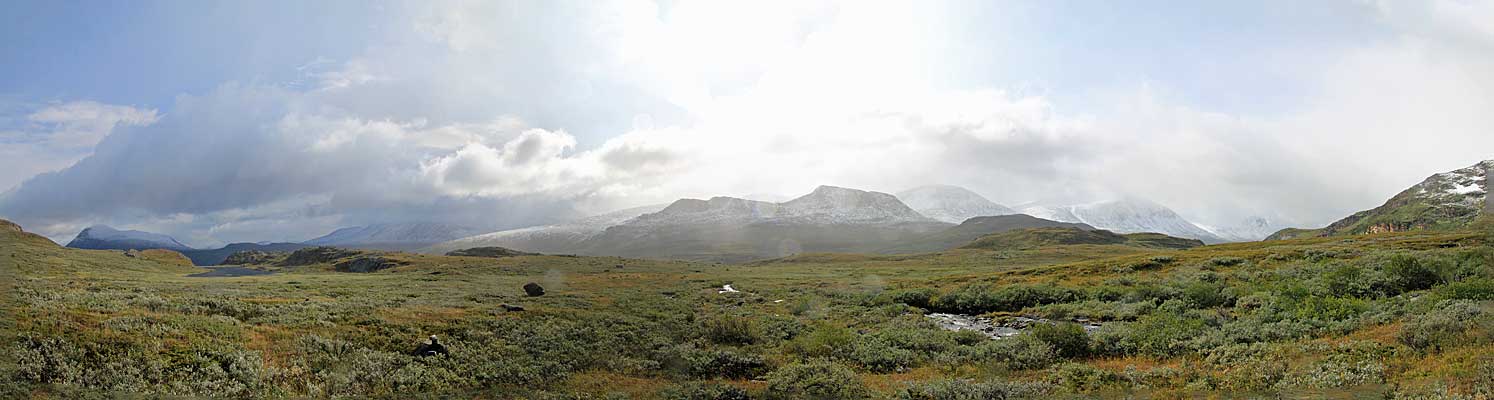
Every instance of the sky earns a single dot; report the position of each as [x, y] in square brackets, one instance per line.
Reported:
[221, 122]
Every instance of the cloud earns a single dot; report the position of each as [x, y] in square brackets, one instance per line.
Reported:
[54, 136]
[509, 114]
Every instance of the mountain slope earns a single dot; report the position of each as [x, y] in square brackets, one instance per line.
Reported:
[1126, 216]
[952, 204]
[399, 236]
[1448, 200]
[100, 237]
[974, 228]
[1041, 237]
[1247, 230]
[562, 238]
[830, 219]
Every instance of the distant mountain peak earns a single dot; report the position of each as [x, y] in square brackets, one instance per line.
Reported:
[952, 204]
[103, 237]
[1126, 215]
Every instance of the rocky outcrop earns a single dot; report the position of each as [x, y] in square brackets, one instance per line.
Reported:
[1449, 200]
[253, 257]
[317, 255]
[366, 264]
[490, 252]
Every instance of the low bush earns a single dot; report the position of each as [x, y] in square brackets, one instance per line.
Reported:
[816, 379]
[1473, 289]
[730, 330]
[1440, 328]
[1068, 339]
[704, 391]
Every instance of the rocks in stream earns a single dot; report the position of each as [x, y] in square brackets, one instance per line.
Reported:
[1005, 328]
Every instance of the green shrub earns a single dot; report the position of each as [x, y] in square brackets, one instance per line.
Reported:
[824, 341]
[980, 299]
[1226, 261]
[1022, 352]
[724, 363]
[878, 355]
[1207, 295]
[1068, 339]
[921, 297]
[730, 330]
[1407, 273]
[816, 379]
[968, 390]
[1472, 289]
[1163, 333]
[1441, 327]
[1081, 377]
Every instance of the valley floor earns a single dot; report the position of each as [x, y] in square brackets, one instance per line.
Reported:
[1403, 315]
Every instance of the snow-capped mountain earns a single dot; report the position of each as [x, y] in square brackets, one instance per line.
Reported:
[1247, 230]
[952, 204]
[101, 237]
[1125, 216]
[732, 229]
[400, 236]
[1448, 200]
[555, 238]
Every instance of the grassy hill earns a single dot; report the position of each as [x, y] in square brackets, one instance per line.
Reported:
[1390, 315]
[972, 229]
[1043, 237]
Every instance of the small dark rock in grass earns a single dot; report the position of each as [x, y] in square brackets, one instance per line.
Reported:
[511, 307]
[534, 289]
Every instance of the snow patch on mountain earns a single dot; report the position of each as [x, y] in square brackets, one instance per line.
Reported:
[952, 204]
[826, 205]
[1247, 230]
[1125, 216]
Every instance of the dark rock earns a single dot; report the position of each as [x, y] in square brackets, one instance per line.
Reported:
[534, 289]
[317, 255]
[491, 252]
[511, 307]
[366, 264]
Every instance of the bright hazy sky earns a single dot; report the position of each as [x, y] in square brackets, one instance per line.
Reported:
[281, 120]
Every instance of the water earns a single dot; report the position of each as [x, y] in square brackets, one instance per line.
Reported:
[228, 272]
[994, 330]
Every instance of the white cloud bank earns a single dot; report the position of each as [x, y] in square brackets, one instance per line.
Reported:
[466, 120]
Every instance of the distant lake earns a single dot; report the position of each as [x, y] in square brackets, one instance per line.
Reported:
[229, 271]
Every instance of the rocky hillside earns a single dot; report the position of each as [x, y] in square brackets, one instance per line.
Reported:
[1448, 200]
[952, 204]
[101, 237]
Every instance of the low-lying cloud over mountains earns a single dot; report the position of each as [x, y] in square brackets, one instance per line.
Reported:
[508, 116]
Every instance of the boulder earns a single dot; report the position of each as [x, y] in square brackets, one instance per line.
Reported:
[366, 264]
[511, 307]
[534, 289]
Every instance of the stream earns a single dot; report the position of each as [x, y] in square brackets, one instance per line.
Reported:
[999, 330]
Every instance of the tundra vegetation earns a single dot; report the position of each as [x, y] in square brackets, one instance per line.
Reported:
[1393, 315]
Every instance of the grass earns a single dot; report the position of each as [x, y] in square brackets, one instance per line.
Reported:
[1306, 318]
